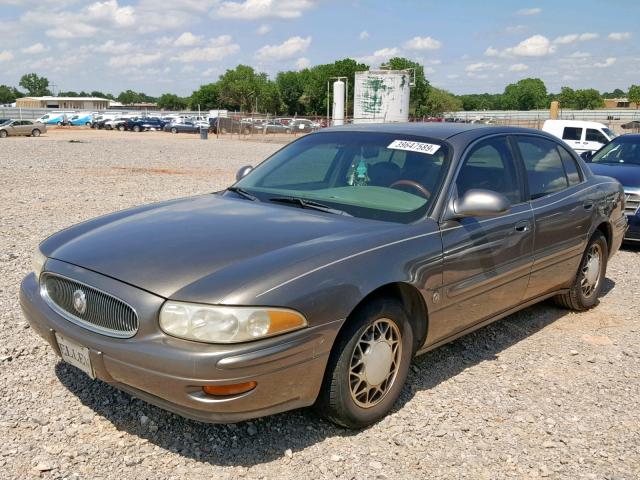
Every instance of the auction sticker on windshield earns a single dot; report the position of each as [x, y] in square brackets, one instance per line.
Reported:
[410, 146]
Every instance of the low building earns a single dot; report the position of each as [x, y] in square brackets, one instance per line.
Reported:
[619, 103]
[64, 103]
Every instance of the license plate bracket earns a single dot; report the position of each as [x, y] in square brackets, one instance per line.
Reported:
[75, 354]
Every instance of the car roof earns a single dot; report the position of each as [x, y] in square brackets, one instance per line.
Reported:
[437, 130]
[574, 123]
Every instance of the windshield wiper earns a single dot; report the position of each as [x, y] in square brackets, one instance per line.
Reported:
[310, 204]
[243, 193]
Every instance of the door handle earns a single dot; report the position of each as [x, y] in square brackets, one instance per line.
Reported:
[587, 205]
[522, 226]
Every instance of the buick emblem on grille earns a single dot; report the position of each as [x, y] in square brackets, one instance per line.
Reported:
[79, 301]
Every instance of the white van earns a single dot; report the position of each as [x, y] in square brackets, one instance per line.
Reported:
[580, 135]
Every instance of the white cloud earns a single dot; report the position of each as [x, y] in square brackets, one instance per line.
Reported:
[111, 46]
[529, 11]
[607, 63]
[188, 39]
[580, 55]
[422, 43]
[110, 11]
[619, 36]
[535, 46]
[588, 36]
[254, 9]
[288, 49]
[35, 49]
[302, 63]
[518, 67]
[380, 56]
[73, 30]
[263, 29]
[575, 37]
[480, 66]
[134, 59]
[453, 76]
[429, 70]
[6, 56]
[216, 49]
[363, 35]
[517, 29]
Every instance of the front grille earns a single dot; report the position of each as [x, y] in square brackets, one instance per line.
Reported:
[632, 203]
[102, 313]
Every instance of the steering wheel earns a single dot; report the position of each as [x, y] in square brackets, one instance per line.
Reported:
[410, 183]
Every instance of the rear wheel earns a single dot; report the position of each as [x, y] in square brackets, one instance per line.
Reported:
[587, 285]
[136, 128]
[174, 130]
[122, 128]
[60, 124]
[35, 132]
[3, 134]
[368, 365]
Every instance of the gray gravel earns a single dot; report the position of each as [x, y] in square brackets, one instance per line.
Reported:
[543, 393]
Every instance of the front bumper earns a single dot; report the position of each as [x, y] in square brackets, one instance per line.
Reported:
[633, 233]
[169, 372]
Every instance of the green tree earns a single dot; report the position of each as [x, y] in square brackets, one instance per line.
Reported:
[439, 101]
[239, 87]
[99, 94]
[9, 94]
[129, 97]
[420, 91]
[617, 93]
[588, 98]
[34, 85]
[527, 94]
[170, 101]
[269, 98]
[567, 97]
[206, 97]
[634, 95]
[291, 89]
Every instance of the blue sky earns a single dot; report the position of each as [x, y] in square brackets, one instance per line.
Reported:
[176, 45]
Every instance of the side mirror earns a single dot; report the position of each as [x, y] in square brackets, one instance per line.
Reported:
[243, 172]
[481, 203]
[587, 156]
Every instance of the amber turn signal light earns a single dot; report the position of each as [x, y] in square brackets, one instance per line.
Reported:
[226, 390]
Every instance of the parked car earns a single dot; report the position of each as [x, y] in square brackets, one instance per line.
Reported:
[272, 126]
[22, 127]
[4, 120]
[81, 119]
[54, 118]
[228, 125]
[303, 125]
[620, 159]
[186, 127]
[580, 135]
[318, 276]
[116, 123]
[143, 124]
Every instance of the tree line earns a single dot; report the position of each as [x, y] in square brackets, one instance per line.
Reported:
[304, 92]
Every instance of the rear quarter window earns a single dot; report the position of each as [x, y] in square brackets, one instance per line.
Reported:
[571, 167]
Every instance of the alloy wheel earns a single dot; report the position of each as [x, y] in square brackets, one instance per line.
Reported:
[591, 271]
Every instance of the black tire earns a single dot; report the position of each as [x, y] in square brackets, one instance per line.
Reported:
[336, 401]
[60, 124]
[122, 128]
[35, 132]
[577, 298]
[88, 124]
[3, 134]
[174, 130]
[136, 128]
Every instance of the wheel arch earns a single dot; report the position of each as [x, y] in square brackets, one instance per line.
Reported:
[606, 230]
[412, 301]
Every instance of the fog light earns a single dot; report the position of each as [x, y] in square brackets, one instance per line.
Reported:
[226, 390]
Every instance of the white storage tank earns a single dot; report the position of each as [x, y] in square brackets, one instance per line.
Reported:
[338, 102]
[381, 96]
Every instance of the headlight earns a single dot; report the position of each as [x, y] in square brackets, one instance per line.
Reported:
[37, 262]
[219, 324]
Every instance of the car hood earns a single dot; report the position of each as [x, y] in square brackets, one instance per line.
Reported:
[627, 175]
[166, 247]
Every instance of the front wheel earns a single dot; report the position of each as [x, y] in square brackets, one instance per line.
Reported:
[174, 130]
[35, 132]
[136, 129]
[3, 134]
[586, 287]
[368, 365]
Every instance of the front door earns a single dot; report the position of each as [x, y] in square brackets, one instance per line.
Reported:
[594, 139]
[486, 260]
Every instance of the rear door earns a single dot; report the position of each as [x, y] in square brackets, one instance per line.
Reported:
[562, 210]
[594, 139]
[486, 260]
[573, 137]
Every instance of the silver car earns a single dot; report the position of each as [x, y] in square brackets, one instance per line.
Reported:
[22, 127]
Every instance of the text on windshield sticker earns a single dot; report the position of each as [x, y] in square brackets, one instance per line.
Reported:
[410, 146]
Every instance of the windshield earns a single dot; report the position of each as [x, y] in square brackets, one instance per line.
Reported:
[624, 149]
[380, 176]
[610, 133]
[4, 121]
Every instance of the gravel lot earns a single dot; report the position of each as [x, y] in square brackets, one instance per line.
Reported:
[543, 393]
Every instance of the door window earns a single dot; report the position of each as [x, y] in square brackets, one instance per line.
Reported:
[570, 166]
[545, 172]
[490, 166]
[596, 136]
[572, 133]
